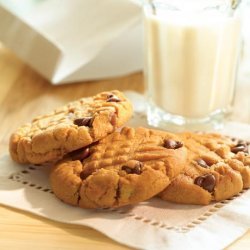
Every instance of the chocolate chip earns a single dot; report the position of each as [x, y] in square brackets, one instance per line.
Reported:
[240, 147]
[127, 169]
[136, 169]
[113, 98]
[202, 163]
[172, 144]
[80, 154]
[206, 181]
[85, 121]
[85, 173]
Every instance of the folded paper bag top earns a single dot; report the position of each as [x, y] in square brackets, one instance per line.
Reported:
[76, 40]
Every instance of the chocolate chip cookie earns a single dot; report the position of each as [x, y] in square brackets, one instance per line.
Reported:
[124, 168]
[49, 137]
[217, 168]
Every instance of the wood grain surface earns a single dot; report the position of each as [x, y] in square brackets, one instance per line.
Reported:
[24, 94]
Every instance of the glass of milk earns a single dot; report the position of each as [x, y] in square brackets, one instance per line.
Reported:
[191, 56]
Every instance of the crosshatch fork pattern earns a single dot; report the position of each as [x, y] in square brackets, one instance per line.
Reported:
[23, 177]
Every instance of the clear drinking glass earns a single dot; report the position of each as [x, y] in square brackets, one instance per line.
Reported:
[191, 56]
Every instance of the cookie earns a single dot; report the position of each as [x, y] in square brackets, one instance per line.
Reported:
[217, 169]
[80, 123]
[124, 168]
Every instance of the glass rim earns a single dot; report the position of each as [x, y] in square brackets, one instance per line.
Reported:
[192, 5]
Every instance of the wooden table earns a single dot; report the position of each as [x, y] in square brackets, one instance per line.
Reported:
[23, 94]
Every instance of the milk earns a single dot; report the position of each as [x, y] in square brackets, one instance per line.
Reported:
[191, 62]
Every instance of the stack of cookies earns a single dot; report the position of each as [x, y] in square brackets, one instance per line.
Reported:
[97, 164]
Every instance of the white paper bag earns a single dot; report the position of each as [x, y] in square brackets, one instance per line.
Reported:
[73, 40]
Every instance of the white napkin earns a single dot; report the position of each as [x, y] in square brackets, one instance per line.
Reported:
[150, 225]
[74, 40]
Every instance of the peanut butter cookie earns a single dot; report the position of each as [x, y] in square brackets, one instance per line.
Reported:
[217, 168]
[124, 168]
[49, 137]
